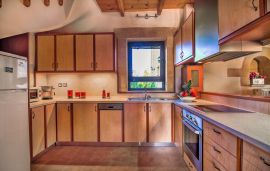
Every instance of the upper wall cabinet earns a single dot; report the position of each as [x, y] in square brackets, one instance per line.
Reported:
[104, 48]
[45, 53]
[84, 52]
[75, 53]
[64, 53]
[184, 41]
[234, 14]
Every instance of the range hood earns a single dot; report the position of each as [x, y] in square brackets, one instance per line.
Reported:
[207, 47]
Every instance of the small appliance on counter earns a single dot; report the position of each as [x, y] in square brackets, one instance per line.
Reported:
[47, 92]
[34, 94]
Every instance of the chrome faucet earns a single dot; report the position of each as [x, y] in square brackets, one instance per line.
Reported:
[146, 96]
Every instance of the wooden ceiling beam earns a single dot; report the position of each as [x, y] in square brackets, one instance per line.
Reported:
[160, 6]
[120, 4]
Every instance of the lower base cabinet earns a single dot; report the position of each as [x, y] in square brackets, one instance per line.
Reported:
[38, 130]
[135, 122]
[111, 125]
[64, 122]
[178, 128]
[50, 124]
[160, 122]
[85, 122]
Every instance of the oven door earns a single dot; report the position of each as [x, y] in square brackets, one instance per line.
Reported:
[193, 143]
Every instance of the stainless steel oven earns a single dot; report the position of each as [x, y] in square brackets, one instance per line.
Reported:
[193, 138]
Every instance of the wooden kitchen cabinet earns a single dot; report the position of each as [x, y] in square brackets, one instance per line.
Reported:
[38, 131]
[178, 128]
[111, 125]
[50, 124]
[255, 158]
[104, 50]
[65, 53]
[234, 15]
[63, 122]
[160, 122]
[188, 38]
[135, 122]
[178, 47]
[45, 53]
[85, 122]
[85, 52]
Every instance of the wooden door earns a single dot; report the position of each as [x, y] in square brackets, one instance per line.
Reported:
[235, 14]
[178, 48]
[84, 52]
[104, 48]
[65, 53]
[178, 128]
[38, 132]
[111, 126]
[50, 124]
[160, 122]
[135, 122]
[188, 38]
[85, 122]
[45, 53]
[64, 122]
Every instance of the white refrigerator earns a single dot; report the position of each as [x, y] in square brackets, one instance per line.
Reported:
[14, 124]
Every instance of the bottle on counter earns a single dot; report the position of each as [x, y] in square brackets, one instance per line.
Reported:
[104, 94]
[108, 95]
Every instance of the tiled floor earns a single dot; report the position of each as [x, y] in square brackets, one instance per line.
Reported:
[86, 158]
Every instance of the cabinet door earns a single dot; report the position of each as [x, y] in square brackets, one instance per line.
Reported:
[188, 38]
[178, 128]
[135, 122]
[235, 14]
[64, 122]
[45, 53]
[104, 48]
[84, 53]
[64, 53]
[38, 132]
[85, 122]
[178, 48]
[160, 122]
[50, 124]
[111, 126]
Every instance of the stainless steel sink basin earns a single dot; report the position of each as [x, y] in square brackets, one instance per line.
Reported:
[149, 99]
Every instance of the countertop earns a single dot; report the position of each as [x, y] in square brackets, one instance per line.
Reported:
[251, 127]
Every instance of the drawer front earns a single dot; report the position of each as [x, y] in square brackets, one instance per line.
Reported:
[210, 164]
[249, 167]
[257, 157]
[221, 137]
[219, 154]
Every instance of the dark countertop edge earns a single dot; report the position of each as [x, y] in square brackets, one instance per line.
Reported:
[245, 97]
[251, 140]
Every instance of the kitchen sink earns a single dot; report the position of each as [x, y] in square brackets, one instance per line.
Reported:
[149, 99]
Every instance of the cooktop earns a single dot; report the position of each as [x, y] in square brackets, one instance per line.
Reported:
[219, 108]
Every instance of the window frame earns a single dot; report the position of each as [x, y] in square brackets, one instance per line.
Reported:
[161, 78]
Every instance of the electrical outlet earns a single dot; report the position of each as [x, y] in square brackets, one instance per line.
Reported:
[60, 85]
[64, 84]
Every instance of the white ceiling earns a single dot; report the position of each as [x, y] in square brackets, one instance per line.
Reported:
[74, 16]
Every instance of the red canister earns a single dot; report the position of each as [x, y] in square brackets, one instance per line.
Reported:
[83, 95]
[103, 94]
[77, 94]
[70, 94]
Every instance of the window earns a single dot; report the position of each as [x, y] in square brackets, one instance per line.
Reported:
[146, 66]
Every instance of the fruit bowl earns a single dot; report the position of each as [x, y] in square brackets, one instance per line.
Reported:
[187, 99]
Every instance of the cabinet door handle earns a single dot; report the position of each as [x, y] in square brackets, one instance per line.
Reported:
[216, 131]
[254, 6]
[33, 115]
[264, 161]
[68, 108]
[215, 166]
[216, 150]
[144, 108]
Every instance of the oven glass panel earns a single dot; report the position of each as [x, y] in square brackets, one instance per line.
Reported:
[191, 140]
